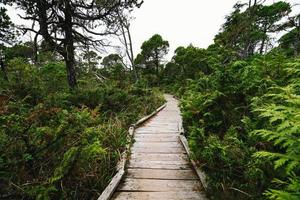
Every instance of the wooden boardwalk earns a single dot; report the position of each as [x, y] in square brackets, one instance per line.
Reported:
[159, 167]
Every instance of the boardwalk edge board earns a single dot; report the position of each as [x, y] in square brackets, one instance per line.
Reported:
[112, 186]
[202, 176]
[144, 119]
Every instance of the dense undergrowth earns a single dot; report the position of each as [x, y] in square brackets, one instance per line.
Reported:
[242, 124]
[62, 144]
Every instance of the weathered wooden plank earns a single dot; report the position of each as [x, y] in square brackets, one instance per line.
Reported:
[162, 121]
[159, 157]
[159, 121]
[144, 144]
[201, 174]
[162, 174]
[160, 195]
[162, 124]
[158, 165]
[156, 135]
[156, 139]
[160, 162]
[146, 185]
[144, 119]
[109, 190]
[161, 131]
[157, 132]
[157, 150]
[157, 128]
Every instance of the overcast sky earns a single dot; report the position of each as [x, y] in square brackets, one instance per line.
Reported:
[181, 22]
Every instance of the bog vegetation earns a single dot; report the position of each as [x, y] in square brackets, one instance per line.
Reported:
[65, 110]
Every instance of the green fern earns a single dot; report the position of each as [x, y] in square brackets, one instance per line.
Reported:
[283, 131]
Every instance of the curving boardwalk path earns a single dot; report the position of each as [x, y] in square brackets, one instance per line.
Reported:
[159, 167]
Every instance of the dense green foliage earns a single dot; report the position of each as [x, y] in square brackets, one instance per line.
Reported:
[149, 61]
[231, 115]
[62, 144]
[6, 27]
[245, 31]
[282, 128]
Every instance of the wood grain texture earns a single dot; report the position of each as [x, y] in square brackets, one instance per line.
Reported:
[159, 157]
[158, 185]
[161, 174]
[159, 167]
[145, 144]
[159, 195]
[157, 150]
[156, 138]
[200, 174]
[108, 192]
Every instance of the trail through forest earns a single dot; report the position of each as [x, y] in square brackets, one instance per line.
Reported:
[72, 83]
[159, 167]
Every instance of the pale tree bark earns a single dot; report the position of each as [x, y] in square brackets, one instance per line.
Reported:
[128, 44]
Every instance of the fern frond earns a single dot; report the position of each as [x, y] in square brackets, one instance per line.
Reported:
[280, 162]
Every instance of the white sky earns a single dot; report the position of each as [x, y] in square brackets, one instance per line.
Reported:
[181, 22]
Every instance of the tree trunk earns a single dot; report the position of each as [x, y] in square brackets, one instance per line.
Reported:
[297, 41]
[67, 51]
[35, 50]
[88, 57]
[157, 66]
[71, 73]
[263, 42]
[69, 54]
[125, 28]
[261, 51]
[3, 69]
[132, 55]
